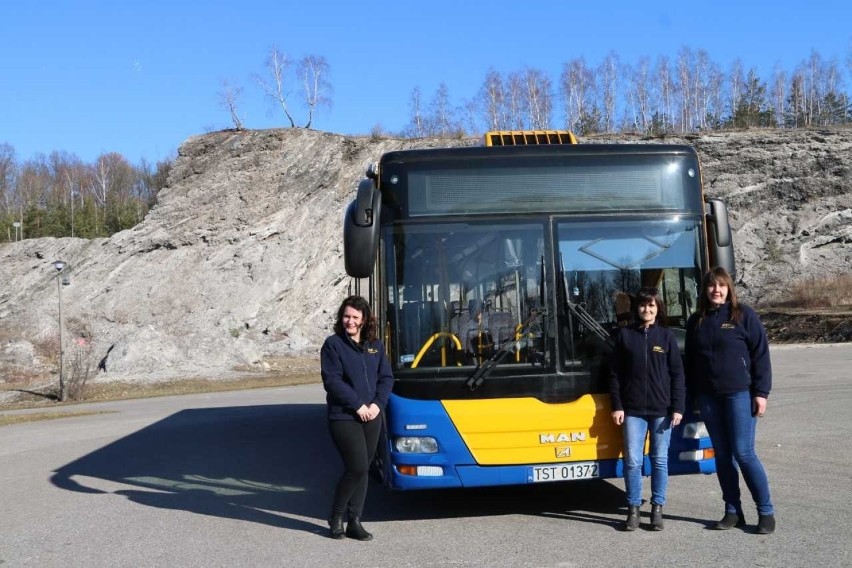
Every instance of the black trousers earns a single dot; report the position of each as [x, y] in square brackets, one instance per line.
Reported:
[356, 441]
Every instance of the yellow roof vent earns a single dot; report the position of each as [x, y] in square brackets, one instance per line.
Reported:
[528, 137]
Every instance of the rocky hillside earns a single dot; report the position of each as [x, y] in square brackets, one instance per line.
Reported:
[239, 266]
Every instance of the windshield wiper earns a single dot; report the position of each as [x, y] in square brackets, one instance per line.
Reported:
[581, 313]
[512, 346]
[590, 322]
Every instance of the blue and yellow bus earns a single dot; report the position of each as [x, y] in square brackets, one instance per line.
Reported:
[497, 274]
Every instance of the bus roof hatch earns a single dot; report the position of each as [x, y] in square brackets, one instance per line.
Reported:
[528, 137]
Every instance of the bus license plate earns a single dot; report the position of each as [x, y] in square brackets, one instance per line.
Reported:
[564, 472]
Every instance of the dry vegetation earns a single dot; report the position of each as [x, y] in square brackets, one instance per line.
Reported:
[120, 390]
[7, 419]
[831, 292]
[815, 311]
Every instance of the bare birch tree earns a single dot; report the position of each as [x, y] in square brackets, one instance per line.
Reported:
[515, 101]
[639, 96]
[608, 73]
[701, 89]
[577, 88]
[417, 127]
[443, 117]
[779, 95]
[736, 81]
[686, 86]
[715, 96]
[229, 97]
[313, 71]
[538, 98]
[278, 67]
[493, 97]
[666, 92]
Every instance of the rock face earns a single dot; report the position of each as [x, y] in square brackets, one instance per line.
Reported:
[240, 263]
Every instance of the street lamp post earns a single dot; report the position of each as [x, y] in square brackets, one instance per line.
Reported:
[59, 266]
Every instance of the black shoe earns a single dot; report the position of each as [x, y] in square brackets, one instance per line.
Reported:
[356, 531]
[729, 521]
[765, 524]
[335, 523]
[656, 517]
[632, 522]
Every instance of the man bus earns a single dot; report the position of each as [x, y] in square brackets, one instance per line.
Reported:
[497, 274]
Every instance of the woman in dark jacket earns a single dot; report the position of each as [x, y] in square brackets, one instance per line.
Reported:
[357, 378]
[647, 393]
[728, 369]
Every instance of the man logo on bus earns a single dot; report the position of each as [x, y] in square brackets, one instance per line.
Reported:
[563, 451]
[559, 437]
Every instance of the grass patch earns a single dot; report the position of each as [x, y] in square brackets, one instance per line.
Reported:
[827, 292]
[120, 390]
[7, 419]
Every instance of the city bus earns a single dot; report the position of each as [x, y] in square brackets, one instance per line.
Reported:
[497, 274]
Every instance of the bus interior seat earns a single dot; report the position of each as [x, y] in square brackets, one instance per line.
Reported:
[623, 309]
[501, 323]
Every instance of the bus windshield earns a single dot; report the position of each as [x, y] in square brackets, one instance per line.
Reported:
[603, 262]
[459, 291]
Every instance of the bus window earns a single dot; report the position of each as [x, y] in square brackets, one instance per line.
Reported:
[457, 292]
[604, 262]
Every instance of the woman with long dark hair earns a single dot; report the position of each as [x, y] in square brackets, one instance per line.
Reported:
[357, 378]
[728, 369]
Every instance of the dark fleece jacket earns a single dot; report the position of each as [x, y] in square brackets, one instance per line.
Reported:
[724, 357]
[354, 375]
[647, 372]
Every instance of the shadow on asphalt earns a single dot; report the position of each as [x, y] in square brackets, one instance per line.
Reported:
[266, 464]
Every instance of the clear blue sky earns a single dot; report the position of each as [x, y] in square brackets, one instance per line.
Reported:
[138, 78]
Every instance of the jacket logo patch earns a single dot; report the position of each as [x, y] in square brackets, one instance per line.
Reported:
[658, 349]
[372, 350]
[728, 325]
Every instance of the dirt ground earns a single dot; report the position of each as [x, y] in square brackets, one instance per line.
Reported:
[807, 326]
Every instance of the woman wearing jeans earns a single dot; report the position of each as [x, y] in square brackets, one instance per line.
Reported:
[647, 393]
[728, 369]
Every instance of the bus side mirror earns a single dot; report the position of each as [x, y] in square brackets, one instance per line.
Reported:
[721, 243]
[361, 230]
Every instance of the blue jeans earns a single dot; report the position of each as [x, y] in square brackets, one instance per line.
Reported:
[635, 429]
[732, 427]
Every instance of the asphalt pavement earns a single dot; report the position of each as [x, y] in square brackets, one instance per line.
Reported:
[244, 478]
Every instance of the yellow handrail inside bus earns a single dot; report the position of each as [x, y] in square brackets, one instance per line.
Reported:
[518, 336]
[429, 343]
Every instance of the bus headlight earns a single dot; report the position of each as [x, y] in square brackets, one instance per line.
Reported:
[416, 445]
[695, 430]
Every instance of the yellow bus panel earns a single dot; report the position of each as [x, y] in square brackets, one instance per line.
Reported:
[505, 431]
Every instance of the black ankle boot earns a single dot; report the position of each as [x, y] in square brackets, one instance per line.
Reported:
[632, 522]
[765, 524]
[335, 523]
[729, 521]
[656, 517]
[356, 531]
